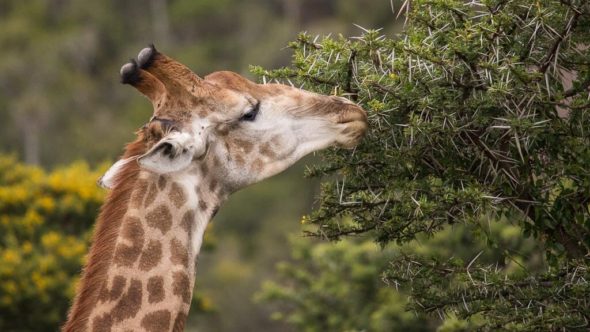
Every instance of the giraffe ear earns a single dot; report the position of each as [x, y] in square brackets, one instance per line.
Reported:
[173, 153]
[107, 181]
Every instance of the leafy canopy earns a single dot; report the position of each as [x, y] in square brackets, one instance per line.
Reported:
[478, 111]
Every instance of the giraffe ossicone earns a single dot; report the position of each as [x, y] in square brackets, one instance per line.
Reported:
[207, 138]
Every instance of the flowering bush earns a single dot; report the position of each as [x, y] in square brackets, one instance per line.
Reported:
[45, 222]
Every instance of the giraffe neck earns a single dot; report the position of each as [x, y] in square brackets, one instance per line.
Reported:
[151, 273]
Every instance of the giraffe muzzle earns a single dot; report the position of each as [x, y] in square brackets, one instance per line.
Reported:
[354, 125]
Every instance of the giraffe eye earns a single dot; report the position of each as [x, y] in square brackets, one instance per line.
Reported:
[251, 115]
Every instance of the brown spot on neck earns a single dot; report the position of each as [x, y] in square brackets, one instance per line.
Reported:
[202, 205]
[156, 321]
[204, 169]
[139, 193]
[179, 322]
[151, 256]
[160, 218]
[126, 255]
[178, 253]
[151, 195]
[114, 292]
[213, 186]
[181, 286]
[130, 303]
[102, 323]
[177, 195]
[155, 288]
[188, 219]
[162, 182]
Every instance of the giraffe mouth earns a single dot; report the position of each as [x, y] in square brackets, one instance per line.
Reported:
[354, 127]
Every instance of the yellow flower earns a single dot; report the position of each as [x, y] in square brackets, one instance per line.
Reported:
[32, 220]
[71, 248]
[206, 303]
[11, 257]
[78, 248]
[46, 203]
[19, 193]
[305, 219]
[46, 263]
[50, 239]
[27, 247]
[39, 281]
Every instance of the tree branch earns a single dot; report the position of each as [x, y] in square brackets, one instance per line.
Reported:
[571, 24]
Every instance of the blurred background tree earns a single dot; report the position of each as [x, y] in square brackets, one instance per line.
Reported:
[479, 114]
[340, 287]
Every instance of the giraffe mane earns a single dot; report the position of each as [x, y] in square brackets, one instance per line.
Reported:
[104, 239]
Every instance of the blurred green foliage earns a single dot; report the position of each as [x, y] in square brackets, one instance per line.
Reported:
[337, 287]
[341, 286]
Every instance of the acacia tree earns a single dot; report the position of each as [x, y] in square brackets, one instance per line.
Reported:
[479, 110]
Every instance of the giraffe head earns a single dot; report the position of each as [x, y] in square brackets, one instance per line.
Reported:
[237, 131]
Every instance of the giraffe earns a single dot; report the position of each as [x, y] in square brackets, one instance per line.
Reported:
[208, 137]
